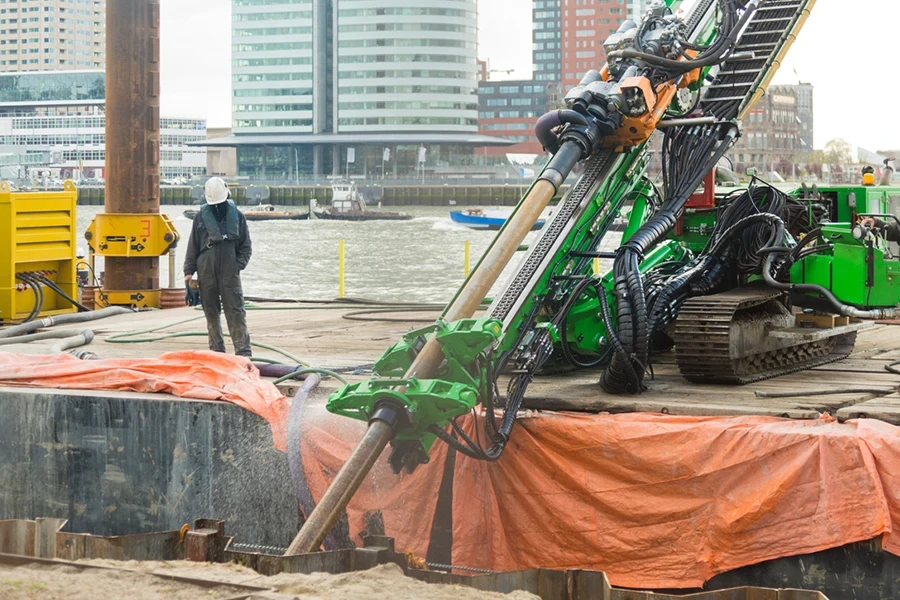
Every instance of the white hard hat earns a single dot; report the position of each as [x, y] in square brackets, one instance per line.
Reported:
[215, 190]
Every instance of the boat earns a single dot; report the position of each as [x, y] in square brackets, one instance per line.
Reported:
[261, 212]
[492, 220]
[348, 204]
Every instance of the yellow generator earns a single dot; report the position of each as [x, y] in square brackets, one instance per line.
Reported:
[37, 253]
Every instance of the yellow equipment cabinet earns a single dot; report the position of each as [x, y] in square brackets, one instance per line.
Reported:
[37, 243]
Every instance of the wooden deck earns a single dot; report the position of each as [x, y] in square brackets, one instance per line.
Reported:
[322, 337]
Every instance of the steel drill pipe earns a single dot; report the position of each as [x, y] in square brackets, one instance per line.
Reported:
[132, 128]
[379, 433]
[341, 490]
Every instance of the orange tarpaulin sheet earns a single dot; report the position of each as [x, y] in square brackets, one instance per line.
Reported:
[655, 501]
[202, 375]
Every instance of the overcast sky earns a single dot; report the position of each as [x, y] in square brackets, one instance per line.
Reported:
[847, 50]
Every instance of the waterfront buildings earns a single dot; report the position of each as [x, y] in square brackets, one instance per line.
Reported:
[53, 124]
[353, 87]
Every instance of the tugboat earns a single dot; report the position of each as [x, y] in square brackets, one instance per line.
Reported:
[347, 204]
[261, 212]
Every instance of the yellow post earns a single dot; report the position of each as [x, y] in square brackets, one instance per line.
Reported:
[596, 266]
[467, 264]
[340, 268]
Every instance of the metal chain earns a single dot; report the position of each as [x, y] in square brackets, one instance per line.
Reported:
[243, 547]
[454, 567]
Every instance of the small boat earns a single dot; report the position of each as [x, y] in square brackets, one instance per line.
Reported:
[347, 204]
[492, 220]
[261, 212]
[267, 212]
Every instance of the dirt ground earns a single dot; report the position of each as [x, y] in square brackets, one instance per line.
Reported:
[154, 580]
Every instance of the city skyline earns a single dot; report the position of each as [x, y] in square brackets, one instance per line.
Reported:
[196, 63]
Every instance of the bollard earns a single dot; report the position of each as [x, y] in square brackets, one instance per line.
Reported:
[467, 264]
[171, 268]
[340, 268]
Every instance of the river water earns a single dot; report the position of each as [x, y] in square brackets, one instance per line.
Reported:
[421, 260]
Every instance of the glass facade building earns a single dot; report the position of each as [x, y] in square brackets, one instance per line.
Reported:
[272, 65]
[61, 115]
[62, 86]
[354, 69]
[546, 16]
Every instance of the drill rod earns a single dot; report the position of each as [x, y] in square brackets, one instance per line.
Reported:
[341, 490]
[379, 433]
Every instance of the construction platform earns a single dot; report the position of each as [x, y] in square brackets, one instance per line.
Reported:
[859, 386]
[119, 463]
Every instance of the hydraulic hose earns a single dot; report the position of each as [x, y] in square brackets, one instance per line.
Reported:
[67, 319]
[43, 335]
[840, 307]
[52, 285]
[545, 125]
[38, 292]
[76, 341]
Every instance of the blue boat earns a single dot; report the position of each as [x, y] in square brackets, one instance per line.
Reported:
[491, 220]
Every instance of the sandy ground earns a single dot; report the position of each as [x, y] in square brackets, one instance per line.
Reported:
[152, 580]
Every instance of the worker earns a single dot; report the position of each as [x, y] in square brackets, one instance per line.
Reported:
[218, 250]
[889, 230]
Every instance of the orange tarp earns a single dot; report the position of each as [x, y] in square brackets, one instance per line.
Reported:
[655, 501]
[202, 375]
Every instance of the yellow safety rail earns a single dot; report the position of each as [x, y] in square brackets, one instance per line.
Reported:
[37, 239]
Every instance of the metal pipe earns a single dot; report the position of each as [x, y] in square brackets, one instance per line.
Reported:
[686, 122]
[379, 432]
[132, 129]
[341, 490]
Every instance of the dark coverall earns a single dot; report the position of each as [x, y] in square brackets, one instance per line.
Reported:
[218, 250]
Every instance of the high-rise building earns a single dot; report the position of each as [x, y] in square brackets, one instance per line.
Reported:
[52, 35]
[509, 109]
[326, 86]
[804, 94]
[546, 40]
[770, 139]
[585, 26]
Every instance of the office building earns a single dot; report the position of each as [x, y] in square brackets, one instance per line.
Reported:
[770, 140]
[585, 26]
[805, 109]
[509, 109]
[52, 35]
[546, 34]
[351, 87]
[54, 123]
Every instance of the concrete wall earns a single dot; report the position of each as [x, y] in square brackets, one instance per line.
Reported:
[116, 464]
